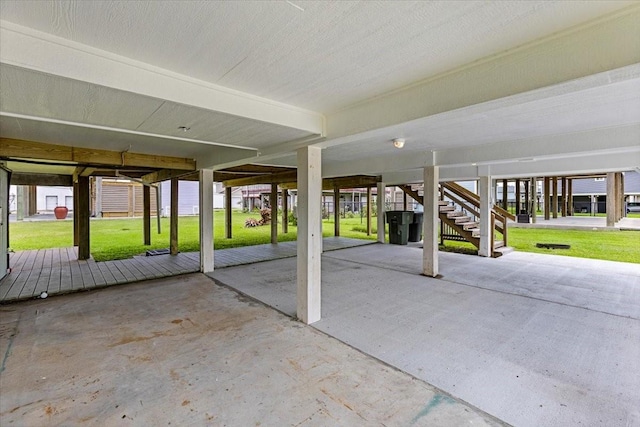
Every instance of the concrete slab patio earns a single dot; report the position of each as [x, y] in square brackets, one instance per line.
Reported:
[185, 351]
[531, 339]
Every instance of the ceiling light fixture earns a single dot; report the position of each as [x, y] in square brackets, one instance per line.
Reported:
[184, 128]
[398, 142]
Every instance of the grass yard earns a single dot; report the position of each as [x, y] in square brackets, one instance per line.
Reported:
[122, 238]
[611, 245]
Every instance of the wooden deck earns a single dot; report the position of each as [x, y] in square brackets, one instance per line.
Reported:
[58, 271]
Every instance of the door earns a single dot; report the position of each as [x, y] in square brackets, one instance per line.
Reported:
[51, 203]
[4, 221]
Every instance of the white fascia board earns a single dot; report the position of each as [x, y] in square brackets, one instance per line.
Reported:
[620, 139]
[378, 165]
[27, 48]
[598, 141]
[242, 157]
[609, 43]
[586, 164]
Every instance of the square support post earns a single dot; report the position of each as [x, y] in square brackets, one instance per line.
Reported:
[486, 231]
[206, 220]
[534, 200]
[273, 204]
[570, 197]
[554, 197]
[517, 207]
[173, 218]
[309, 235]
[228, 233]
[368, 211]
[336, 211]
[547, 198]
[563, 206]
[84, 211]
[430, 221]
[76, 209]
[611, 199]
[505, 194]
[146, 214]
[620, 196]
[285, 210]
[380, 196]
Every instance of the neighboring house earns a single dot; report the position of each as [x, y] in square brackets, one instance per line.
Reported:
[47, 198]
[590, 194]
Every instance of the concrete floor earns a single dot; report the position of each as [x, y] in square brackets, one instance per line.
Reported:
[185, 351]
[531, 339]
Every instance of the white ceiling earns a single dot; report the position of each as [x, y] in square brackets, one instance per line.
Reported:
[325, 61]
[324, 58]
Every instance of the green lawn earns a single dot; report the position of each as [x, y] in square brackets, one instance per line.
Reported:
[122, 238]
[596, 244]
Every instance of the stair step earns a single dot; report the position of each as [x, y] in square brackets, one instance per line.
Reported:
[454, 214]
[462, 219]
[447, 209]
[498, 244]
[475, 233]
[442, 203]
[469, 225]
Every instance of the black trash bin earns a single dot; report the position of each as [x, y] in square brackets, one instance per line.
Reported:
[523, 218]
[399, 226]
[415, 228]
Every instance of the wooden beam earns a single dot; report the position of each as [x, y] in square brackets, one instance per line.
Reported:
[84, 211]
[173, 218]
[146, 214]
[41, 179]
[227, 212]
[253, 169]
[10, 148]
[350, 182]
[276, 178]
[165, 174]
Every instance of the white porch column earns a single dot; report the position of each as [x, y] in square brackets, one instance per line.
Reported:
[309, 234]
[206, 220]
[381, 190]
[430, 218]
[484, 190]
[611, 199]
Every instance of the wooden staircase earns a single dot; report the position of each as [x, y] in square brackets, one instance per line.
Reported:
[459, 213]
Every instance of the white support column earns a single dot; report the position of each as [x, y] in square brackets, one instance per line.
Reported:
[381, 190]
[309, 235]
[484, 190]
[206, 220]
[611, 199]
[430, 218]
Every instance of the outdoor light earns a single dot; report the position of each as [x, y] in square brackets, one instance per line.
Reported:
[398, 142]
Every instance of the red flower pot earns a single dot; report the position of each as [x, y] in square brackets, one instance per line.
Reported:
[60, 212]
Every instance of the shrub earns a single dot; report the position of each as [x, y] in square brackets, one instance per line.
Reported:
[293, 220]
[266, 216]
[251, 222]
